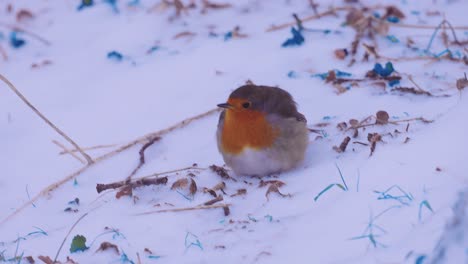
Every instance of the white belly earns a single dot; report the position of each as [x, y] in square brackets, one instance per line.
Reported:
[253, 162]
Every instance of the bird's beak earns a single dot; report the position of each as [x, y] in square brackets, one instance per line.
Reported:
[225, 105]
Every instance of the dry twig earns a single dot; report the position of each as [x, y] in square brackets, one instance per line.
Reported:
[200, 207]
[48, 122]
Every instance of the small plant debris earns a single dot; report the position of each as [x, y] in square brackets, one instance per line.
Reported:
[180, 184]
[381, 118]
[373, 138]
[343, 145]
[221, 172]
[78, 244]
[108, 246]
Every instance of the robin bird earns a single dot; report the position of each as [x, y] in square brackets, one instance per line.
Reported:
[260, 132]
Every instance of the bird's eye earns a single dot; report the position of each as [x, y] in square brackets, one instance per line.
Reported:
[246, 105]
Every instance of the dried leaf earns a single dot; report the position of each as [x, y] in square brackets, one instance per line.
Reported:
[107, 245]
[274, 188]
[209, 4]
[221, 172]
[219, 186]
[126, 190]
[373, 138]
[46, 259]
[24, 14]
[147, 250]
[353, 17]
[240, 192]
[30, 259]
[393, 11]
[382, 117]
[210, 191]
[331, 76]
[341, 53]
[342, 126]
[193, 187]
[270, 182]
[407, 139]
[343, 145]
[226, 210]
[180, 184]
[353, 123]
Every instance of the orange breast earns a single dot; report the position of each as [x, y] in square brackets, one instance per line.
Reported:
[246, 129]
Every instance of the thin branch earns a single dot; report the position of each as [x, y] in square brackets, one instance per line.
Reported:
[200, 207]
[65, 238]
[331, 11]
[88, 148]
[145, 138]
[59, 183]
[60, 145]
[170, 172]
[142, 156]
[27, 32]
[424, 26]
[134, 184]
[13, 88]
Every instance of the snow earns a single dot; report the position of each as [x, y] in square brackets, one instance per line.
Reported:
[98, 101]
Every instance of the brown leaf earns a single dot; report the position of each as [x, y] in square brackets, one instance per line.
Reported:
[353, 123]
[30, 259]
[270, 182]
[393, 11]
[209, 4]
[126, 190]
[331, 76]
[373, 138]
[221, 172]
[210, 191]
[274, 188]
[147, 250]
[180, 184]
[240, 192]
[46, 259]
[193, 187]
[219, 186]
[341, 53]
[342, 126]
[107, 245]
[226, 210]
[343, 145]
[24, 14]
[353, 17]
[381, 117]
[407, 139]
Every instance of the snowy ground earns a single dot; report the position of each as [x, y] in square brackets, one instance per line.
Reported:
[98, 100]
